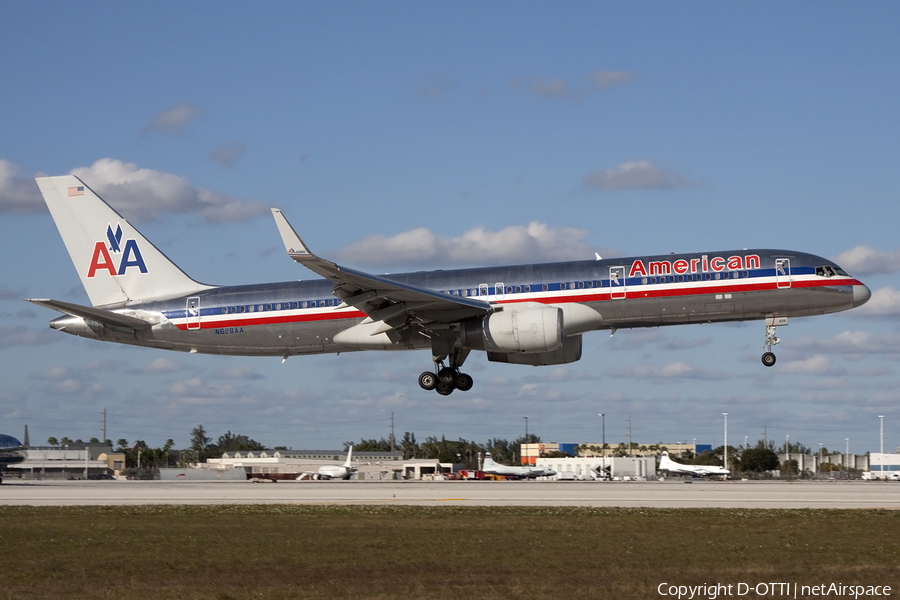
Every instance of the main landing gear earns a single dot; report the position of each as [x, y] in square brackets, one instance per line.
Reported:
[445, 379]
[768, 357]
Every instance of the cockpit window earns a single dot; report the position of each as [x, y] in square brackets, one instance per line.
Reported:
[828, 271]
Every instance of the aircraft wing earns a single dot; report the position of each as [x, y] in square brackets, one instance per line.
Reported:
[397, 304]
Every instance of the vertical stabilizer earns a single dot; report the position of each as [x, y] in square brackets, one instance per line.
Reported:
[115, 262]
[349, 454]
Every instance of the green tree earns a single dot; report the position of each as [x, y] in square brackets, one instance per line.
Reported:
[409, 446]
[231, 442]
[52, 441]
[759, 459]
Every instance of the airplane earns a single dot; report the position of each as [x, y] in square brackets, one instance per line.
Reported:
[342, 471]
[667, 464]
[495, 468]
[529, 314]
[12, 451]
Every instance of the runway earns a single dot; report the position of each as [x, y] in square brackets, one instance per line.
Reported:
[668, 494]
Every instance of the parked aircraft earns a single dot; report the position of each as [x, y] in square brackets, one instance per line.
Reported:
[532, 314]
[12, 451]
[342, 471]
[667, 464]
[495, 468]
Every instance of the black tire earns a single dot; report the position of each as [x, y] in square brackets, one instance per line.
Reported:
[443, 388]
[427, 380]
[464, 382]
[448, 375]
[768, 359]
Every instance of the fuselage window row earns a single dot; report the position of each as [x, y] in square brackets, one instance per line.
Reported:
[824, 271]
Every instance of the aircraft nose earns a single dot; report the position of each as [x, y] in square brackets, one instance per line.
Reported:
[861, 295]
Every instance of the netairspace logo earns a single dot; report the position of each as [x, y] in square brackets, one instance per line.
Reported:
[771, 590]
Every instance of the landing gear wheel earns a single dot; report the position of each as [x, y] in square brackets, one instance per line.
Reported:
[464, 382]
[448, 375]
[768, 359]
[443, 388]
[427, 380]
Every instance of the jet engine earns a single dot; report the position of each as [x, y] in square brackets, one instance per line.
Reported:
[516, 330]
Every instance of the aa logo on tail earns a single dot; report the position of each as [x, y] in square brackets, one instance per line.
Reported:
[130, 253]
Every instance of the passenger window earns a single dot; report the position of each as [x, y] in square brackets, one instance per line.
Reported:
[527, 288]
[644, 280]
[545, 287]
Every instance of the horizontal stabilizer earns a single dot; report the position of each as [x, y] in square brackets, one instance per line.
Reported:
[94, 314]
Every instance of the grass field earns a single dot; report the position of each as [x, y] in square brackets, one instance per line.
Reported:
[289, 551]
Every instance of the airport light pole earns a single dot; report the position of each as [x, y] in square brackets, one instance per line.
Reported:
[787, 453]
[603, 426]
[725, 443]
[821, 456]
[881, 418]
[847, 454]
[526, 430]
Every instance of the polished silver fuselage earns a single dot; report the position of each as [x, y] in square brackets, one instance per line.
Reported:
[291, 318]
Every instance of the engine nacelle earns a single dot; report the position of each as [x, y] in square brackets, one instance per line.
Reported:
[569, 353]
[517, 329]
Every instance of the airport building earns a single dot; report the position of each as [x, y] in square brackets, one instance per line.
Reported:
[613, 468]
[368, 465]
[884, 466]
[530, 453]
[89, 461]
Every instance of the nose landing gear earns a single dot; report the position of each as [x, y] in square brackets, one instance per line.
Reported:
[768, 357]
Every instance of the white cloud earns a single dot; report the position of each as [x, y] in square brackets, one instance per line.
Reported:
[635, 175]
[173, 120]
[18, 195]
[885, 302]
[434, 87]
[608, 79]
[142, 194]
[228, 154]
[515, 244]
[558, 88]
[865, 260]
[555, 88]
[161, 365]
[853, 343]
[814, 365]
[20, 335]
[675, 370]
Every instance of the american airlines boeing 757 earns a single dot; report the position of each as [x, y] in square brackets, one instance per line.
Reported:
[530, 314]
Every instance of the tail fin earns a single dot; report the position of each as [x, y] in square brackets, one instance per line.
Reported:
[488, 461]
[116, 263]
[349, 454]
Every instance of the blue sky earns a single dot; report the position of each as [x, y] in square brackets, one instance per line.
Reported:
[410, 135]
